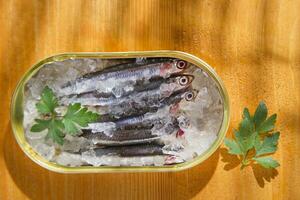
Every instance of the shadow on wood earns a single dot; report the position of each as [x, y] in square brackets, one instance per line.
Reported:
[200, 175]
[231, 161]
[38, 183]
[261, 174]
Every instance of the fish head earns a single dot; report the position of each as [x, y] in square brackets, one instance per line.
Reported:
[183, 81]
[173, 67]
[181, 65]
[190, 95]
[175, 84]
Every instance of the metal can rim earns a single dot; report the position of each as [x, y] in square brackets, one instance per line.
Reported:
[17, 117]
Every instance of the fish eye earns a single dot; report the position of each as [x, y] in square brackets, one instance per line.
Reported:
[184, 124]
[189, 96]
[181, 64]
[183, 80]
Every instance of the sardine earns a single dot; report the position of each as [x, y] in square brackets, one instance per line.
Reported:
[125, 79]
[150, 160]
[129, 63]
[112, 116]
[146, 120]
[162, 115]
[131, 150]
[116, 112]
[121, 137]
[140, 99]
[187, 95]
[131, 136]
[139, 86]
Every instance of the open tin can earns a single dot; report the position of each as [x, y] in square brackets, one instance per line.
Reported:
[17, 112]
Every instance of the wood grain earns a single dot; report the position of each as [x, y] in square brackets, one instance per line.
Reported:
[253, 45]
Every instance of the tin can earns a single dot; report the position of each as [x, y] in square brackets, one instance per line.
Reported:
[17, 111]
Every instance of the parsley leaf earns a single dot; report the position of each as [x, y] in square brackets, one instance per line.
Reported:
[40, 125]
[48, 102]
[246, 142]
[55, 131]
[77, 116]
[260, 114]
[269, 145]
[268, 124]
[246, 128]
[244, 135]
[253, 135]
[58, 126]
[234, 147]
[267, 162]
[246, 114]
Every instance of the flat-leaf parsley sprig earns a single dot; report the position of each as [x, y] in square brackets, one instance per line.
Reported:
[75, 118]
[255, 139]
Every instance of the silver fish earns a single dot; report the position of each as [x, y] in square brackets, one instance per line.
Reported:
[144, 98]
[138, 87]
[121, 137]
[160, 117]
[125, 79]
[128, 63]
[188, 95]
[146, 120]
[123, 110]
[131, 150]
[131, 136]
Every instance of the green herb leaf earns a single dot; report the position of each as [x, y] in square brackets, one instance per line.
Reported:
[260, 114]
[233, 147]
[267, 162]
[268, 124]
[246, 142]
[257, 142]
[40, 125]
[57, 126]
[244, 135]
[48, 102]
[246, 127]
[76, 117]
[55, 131]
[249, 137]
[54, 127]
[246, 114]
[269, 145]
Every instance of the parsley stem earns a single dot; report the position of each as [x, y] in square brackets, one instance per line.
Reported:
[52, 116]
[245, 160]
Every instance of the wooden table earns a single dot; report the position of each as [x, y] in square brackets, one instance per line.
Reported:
[253, 45]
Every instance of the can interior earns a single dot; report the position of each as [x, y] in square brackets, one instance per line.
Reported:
[17, 112]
